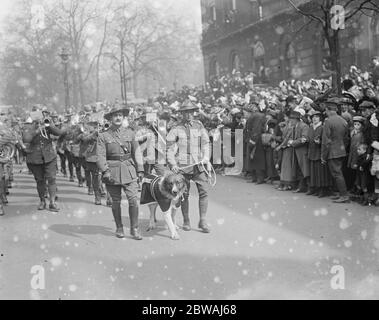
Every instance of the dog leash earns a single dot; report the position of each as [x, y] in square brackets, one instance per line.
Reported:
[209, 174]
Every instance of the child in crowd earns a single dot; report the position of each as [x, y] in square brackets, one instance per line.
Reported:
[362, 174]
[357, 138]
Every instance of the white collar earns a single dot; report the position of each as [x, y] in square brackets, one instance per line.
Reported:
[317, 125]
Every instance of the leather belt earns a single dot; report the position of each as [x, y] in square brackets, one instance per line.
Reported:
[123, 157]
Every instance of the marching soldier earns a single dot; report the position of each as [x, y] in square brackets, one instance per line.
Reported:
[89, 144]
[183, 139]
[120, 162]
[41, 159]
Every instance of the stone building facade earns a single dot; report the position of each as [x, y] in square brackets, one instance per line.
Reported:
[271, 39]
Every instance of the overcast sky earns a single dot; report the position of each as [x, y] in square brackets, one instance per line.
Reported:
[181, 6]
[5, 6]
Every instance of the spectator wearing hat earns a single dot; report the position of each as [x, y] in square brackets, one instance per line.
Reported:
[287, 168]
[269, 144]
[375, 70]
[367, 110]
[320, 179]
[120, 161]
[255, 126]
[300, 145]
[373, 143]
[333, 147]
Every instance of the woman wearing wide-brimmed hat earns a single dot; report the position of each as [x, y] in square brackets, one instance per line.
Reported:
[320, 179]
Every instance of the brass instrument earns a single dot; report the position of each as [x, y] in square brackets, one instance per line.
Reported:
[45, 123]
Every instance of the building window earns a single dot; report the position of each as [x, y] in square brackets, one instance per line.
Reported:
[259, 62]
[290, 59]
[235, 62]
[214, 68]
[213, 12]
[234, 5]
[376, 35]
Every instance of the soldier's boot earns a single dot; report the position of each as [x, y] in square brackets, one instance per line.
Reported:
[311, 191]
[133, 216]
[52, 187]
[102, 189]
[116, 211]
[4, 199]
[90, 191]
[365, 200]
[2, 213]
[185, 213]
[97, 198]
[42, 204]
[109, 200]
[53, 206]
[72, 179]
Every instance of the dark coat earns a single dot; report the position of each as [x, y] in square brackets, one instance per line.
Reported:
[89, 140]
[314, 149]
[40, 150]
[255, 126]
[334, 138]
[356, 140]
[301, 148]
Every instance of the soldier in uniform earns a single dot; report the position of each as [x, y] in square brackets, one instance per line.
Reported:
[66, 145]
[89, 144]
[190, 141]
[120, 161]
[41, 159]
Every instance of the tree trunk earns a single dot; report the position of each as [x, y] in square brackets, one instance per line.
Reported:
[74, 88]
[135, 84]
[333, 42]
[337, 66]
[98, 79]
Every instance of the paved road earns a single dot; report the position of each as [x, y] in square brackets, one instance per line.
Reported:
[264, 244]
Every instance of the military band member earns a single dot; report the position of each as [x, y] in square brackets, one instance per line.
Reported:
[41, 159]
[120, 161]
[89, 143]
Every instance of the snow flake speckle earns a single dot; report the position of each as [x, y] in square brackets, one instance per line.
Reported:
[344, 224]
[220, 221]
[217, 279]
[15, 239]
[271, 241]
[44, 226]
[364, 234]
[56, 261]
[323, 211]
[72, 287]
[80, 213]
[265, 216]
[348, 243]
[139, 264]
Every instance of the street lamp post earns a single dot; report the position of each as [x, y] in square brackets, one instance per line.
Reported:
[64, 56]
